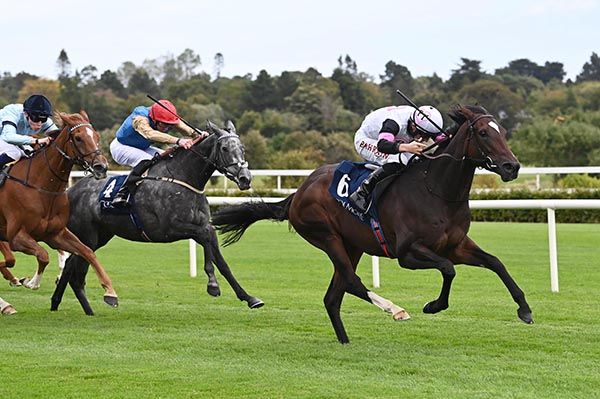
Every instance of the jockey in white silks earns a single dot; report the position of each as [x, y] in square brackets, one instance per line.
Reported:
[386, 137]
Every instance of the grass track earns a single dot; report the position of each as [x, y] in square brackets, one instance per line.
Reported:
[169, 339]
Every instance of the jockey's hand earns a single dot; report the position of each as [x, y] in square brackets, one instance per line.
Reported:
[413, 147]
[185, 143]
[203, 134]
[44, 140]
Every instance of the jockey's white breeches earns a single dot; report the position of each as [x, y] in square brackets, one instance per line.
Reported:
[131, 156]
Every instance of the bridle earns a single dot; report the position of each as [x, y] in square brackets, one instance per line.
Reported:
[216, 159]
[484, 161]
[79, 158]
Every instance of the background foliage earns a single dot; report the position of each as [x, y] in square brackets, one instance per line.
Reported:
[302, 119]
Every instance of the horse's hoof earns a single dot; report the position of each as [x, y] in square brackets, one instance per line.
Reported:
[8, 310]
[433, 307]
[526, 317]
[15, 283]
[111, 301]
[255, 303]
[401, 315]
[213, 290]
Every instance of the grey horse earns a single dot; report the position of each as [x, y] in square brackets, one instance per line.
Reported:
[169, 205]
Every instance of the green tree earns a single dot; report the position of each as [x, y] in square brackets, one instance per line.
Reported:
[141, 82]
[397, 77]
[591, 69]
[109, 80]
[63, 64]
[257, 152]
[262, 92]
[351, 91]
[469, 72]
[495, 97]
[544, 142]
[232, 95]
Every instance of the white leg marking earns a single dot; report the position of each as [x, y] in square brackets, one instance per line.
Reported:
[388, 306]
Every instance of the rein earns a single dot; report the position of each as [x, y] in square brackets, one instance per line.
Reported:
[485, 162]
[78, 160]
[214, 159]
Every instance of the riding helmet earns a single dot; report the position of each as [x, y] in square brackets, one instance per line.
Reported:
[38, 105]
[160, 114]
[424, 124]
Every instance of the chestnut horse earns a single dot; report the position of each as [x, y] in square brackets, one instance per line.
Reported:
[34, 205]
[424, 214]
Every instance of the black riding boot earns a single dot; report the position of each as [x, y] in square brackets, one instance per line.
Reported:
[4, 160]
[360, 197]
[129, 185]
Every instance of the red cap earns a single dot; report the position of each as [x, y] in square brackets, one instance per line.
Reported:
[160, 114]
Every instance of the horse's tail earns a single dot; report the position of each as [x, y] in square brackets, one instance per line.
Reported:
[235, 219]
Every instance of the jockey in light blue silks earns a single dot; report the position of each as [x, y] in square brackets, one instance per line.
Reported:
[387, 137]
[21, 121]
[132, 145]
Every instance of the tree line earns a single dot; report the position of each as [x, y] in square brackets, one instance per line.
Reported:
[304, 119]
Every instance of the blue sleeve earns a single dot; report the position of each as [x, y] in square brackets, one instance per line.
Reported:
[10, 121]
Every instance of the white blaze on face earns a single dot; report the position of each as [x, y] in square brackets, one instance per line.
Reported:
[90, 133]
[494, 125]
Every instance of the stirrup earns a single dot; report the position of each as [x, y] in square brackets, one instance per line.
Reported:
[120, 199]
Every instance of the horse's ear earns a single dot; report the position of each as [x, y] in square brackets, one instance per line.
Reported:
[230, 127]
[85, 115]
[211, 126]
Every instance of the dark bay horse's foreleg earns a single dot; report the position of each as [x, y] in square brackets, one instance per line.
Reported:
[469, 253]
[421, 257]
[23, 242]
[212, 251]
[67, 241]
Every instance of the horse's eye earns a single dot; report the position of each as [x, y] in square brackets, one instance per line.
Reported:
[225, 149]
[78, 139]
[483, 133]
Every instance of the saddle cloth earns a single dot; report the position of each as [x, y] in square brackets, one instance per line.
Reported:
[107, 194]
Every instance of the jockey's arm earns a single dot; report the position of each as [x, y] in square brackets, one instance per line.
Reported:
[142, 126]
[11, 136]
[390, 143]
[188, 131]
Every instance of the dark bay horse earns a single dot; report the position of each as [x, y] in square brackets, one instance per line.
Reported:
[424, 214]
[33, 201]
[170, 205]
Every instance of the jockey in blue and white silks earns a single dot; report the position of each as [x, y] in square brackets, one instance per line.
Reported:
[387, 137]
[19, 122]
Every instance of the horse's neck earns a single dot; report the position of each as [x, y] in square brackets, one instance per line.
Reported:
[187, 166]
[451, 177]
[49, 169]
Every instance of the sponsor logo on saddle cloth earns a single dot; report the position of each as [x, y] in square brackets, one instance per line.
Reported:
[347, 179]
[107, 194]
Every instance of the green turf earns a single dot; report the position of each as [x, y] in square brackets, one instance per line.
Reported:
[169, 339]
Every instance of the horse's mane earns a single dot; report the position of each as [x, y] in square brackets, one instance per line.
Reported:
[457, 114]
[62, 118]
